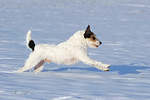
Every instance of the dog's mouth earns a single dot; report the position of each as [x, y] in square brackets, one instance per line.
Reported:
[95, 45]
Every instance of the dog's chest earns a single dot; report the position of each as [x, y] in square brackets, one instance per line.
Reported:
[70, 61]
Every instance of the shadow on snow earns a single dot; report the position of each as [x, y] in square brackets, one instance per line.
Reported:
[126, 69]
[121, 69]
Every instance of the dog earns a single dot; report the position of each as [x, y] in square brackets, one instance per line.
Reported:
[69, 52]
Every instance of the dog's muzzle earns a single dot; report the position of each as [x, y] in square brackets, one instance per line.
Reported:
[97, 45]
[100, 42]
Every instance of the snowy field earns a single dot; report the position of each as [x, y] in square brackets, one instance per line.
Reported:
[122, 25]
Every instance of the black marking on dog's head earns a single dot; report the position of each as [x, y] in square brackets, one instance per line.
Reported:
[31, 44]
[88, 32]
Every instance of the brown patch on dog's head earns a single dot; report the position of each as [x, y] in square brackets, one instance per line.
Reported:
[90, 36]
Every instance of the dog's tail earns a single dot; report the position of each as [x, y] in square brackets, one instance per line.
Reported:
[29, 41]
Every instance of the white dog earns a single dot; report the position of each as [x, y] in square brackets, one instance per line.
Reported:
[69, 52]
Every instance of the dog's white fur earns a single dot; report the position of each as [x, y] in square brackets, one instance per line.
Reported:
[69, 52]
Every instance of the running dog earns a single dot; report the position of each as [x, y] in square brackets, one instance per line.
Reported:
[69, 52]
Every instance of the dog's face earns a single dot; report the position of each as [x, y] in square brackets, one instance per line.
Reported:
[91, 38]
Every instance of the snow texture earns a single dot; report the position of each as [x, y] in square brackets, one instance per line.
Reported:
[123, 27]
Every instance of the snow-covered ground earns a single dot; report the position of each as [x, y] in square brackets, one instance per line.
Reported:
[122, 25]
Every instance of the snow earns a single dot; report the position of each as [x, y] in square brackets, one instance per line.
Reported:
[122, 25]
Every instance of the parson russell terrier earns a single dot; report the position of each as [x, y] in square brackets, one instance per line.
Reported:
[69, 52]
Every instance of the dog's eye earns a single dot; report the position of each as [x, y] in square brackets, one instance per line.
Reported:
[93, 38]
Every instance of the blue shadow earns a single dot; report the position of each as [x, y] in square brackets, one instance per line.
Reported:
[126, 69]
[121, 69]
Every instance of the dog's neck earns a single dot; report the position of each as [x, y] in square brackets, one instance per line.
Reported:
[78, 39]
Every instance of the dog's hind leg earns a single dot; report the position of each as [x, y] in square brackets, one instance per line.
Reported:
[31, 62]
[39, 67]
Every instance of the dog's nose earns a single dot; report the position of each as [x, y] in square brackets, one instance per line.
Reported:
[100, 42]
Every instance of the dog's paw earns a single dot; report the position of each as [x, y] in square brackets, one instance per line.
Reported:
[103, 69]
[106, 65]
[106, 69]
[19, 71]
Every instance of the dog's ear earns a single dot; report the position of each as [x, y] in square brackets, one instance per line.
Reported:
[88, 28]
[88, 32]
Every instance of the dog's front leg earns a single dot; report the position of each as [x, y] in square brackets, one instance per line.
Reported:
[98, 65]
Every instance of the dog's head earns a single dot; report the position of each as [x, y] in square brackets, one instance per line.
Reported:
[91, 38]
